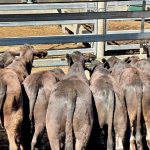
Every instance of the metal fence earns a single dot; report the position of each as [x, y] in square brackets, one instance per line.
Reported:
[91, 17]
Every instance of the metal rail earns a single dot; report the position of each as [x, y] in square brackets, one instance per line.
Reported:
[73, 38]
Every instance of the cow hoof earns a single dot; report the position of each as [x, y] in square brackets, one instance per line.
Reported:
[139, 147]
[148, 144]
[132, 145]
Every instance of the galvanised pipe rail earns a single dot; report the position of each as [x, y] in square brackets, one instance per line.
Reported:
[73, 38]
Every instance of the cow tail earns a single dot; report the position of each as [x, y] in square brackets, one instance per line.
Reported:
[3, 90]
[71, 104]
[139, 117]
[32, 95]
[111, 102]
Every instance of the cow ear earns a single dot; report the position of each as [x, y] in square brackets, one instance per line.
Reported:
[69, 60]
[2, 65]
[126, 59]
[106, 64]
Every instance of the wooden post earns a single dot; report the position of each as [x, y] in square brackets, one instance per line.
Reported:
[100, 30]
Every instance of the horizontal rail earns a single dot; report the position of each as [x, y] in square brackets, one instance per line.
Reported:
[122, 47]
[72, 16]
[32, 23]
[62, 1]
[49, 62]
[73, 38]
[127, 31]
[122, 3]
[45, 6]
[67, 1]
[69, 51]
[63, 62]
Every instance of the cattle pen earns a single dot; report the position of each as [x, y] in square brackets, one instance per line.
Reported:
[83, 12]
[86, 20]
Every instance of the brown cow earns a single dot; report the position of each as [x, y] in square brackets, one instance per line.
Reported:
[69, 117]
[131, 83]
[110, 105]
[145, 78]
[11, 100]
[143, 67]
[38, 87]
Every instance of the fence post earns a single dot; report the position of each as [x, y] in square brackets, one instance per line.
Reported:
[29, 1]
[142, 28]
[101, 27]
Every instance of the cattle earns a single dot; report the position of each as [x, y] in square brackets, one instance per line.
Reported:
[131, 83]
[23, 64]
[6, 59]
[69, 117]
[110, 105]
[145, 78]
[11, 100]
[140, 64]
[110, 62]
[38, 87]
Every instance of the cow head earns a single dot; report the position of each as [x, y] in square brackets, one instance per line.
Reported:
[131, 60]
[75, 57]
[78, 56]
[40, 53]
[59, 73]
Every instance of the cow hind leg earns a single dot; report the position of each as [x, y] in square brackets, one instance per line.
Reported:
[119, 138]
[14, 139]
[119, 143]
[38, 133]
[132, 139]
[55, 144]
[110, 139]
[82, 137]
[12, 124]
[139, 140]
[148, 136]
[54, 137]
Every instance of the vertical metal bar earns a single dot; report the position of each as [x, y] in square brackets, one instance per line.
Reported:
[105, 28]
[94, 44]
[142, 27]
[29, 1]
[100, 45]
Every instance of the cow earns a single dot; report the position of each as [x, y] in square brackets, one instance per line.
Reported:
[110, 105]
[143, 67]
[11, 100]
[38, 87]
[69, 117]
[131, 83]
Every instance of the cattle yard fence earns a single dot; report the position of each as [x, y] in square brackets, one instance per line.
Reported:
[93, 12]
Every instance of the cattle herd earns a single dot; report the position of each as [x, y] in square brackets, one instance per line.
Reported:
[115, 101]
